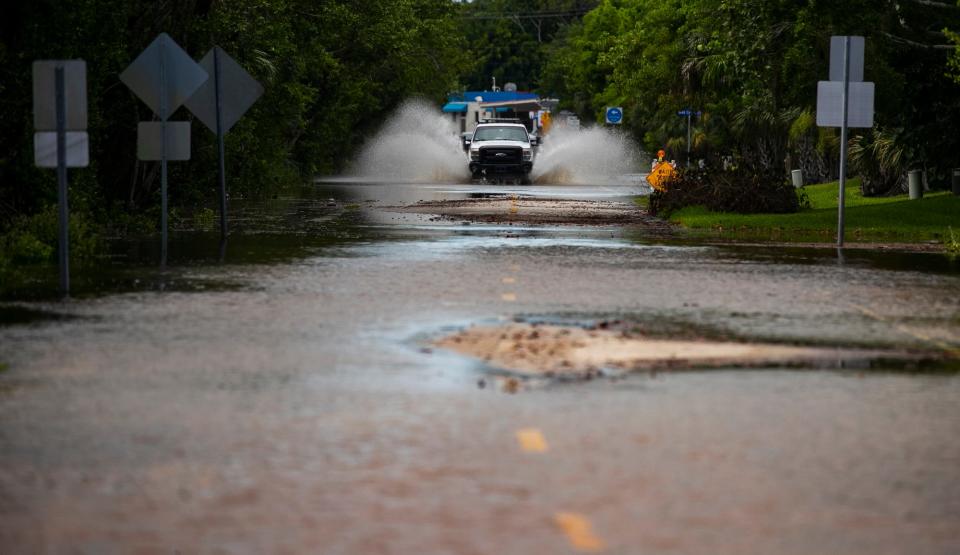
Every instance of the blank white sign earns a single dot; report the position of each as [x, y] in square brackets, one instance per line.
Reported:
[45, 149]
[45, 94]
[149, 145]
[856, 58]
[830, 104]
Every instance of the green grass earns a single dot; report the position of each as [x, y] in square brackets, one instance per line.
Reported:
[868, 219]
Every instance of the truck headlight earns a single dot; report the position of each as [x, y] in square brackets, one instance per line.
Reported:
[527, 154]
[474, 154]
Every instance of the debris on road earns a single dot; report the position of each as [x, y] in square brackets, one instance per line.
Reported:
[537, 211]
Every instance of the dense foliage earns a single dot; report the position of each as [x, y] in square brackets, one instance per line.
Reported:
[752, 66]
[332, 70]
[511, 40]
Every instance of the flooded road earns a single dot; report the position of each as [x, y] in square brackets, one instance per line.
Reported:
[280, 397]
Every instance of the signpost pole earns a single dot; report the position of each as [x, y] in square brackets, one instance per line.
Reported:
[163, 157]
[64, 253]
[843, 139]
[689, 114]
[220, 149]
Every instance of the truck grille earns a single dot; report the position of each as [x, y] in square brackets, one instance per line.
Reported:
[501, 155]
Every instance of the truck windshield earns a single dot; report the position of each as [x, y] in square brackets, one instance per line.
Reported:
[500, 134]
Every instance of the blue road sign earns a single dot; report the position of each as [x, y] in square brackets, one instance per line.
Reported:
[688, 112]
[614, 115]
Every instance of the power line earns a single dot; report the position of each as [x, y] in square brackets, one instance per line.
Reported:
[529, 15]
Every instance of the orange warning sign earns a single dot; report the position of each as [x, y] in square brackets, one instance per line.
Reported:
[545, 123]
[660, 175]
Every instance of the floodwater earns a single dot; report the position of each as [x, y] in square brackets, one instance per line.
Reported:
[279, 398]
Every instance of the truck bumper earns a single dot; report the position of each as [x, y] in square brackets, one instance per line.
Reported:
[477, 169]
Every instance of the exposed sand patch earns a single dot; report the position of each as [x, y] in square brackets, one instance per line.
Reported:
[558, 350]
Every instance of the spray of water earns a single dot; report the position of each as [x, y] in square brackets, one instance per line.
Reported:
[418, 143]
[588, 156]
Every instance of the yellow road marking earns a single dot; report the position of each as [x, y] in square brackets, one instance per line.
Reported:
[509, 297]
[532, 441]
[509, 280]
[904, 329]
[579, 532]
[866, 311]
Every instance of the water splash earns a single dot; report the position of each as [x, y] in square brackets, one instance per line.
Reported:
[418, 143]
[588, 156]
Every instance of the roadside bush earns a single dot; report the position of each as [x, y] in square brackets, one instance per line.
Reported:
[743, 190]
[951, 242]
[33, 239]
[880, 161]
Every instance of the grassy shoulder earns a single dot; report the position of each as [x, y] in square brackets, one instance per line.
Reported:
[868, 219]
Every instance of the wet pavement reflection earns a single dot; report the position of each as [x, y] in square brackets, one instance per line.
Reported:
[283, 399]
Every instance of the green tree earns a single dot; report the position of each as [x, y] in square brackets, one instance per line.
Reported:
[509, 40]
[752, 67]
[332, 70]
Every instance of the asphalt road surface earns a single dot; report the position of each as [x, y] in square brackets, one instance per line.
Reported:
[285, 400]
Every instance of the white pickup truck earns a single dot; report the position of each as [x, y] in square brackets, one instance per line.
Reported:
[501, 151]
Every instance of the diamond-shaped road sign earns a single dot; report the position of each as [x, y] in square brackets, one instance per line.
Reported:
[163, 76]
[238, 91]
[45, 94]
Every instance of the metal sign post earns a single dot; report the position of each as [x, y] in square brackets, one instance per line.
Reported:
[221, 151]
[62, 110]
[219, 104]
[64, 236]
[845, 103]
[843, 141]
[163, 76]
[163, 157]
[689, 114]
